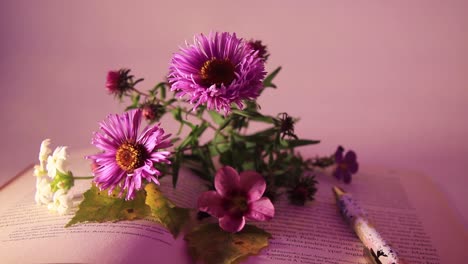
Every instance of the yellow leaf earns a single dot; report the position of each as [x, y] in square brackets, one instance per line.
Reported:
[210, 244]
[164, 211]
[98, 206]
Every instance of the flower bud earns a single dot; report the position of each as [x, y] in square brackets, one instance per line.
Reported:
[119, 82]
[303, 191]
[152, 112]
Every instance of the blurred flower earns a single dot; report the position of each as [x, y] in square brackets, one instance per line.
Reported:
[44, 152]
[345, 165]
[44, 192]
[61, 203]
[39, 171]
[128, 157]
[119, 82]
[217, 70]
[303, 191]
[51, 191]
[152, 112]
[57, 161]
[237, 197]
[261, 49]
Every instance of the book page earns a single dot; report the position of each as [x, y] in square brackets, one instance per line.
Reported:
[29, 233]
[405, 208]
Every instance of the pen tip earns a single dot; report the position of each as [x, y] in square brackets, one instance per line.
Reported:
[338, 191]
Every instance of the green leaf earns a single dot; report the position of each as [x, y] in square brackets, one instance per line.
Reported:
[218, 145]
[217, 118]
[225, 123]
[169, 102]
[293, 143]
[259, 137]
[210, 244]
[255, 116]
[268, 82]
[177, 114]
[98, 206]
[162, 86]
[164, 211]
[135, 99]
[193, 136]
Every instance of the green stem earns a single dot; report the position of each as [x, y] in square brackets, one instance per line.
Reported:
[184, 110]
[140, 92]
[83, 178]
[193, 147]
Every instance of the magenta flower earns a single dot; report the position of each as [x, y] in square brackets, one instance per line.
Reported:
[237, 197]
[127, 157]
[113, 81]
[120, 82]
[217, 70]
[345, 166]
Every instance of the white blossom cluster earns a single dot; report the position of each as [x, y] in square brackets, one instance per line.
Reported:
[49, 166]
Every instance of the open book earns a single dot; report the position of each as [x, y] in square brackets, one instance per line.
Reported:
[405, 207]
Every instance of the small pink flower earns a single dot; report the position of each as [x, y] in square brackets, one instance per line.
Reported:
[120, 82]
[237, 197]
[113, 81]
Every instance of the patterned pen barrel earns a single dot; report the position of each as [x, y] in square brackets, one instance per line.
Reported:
[379, 250]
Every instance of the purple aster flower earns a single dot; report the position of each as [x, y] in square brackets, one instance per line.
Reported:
[237, 197]
[217, 70]
[345, 165]
[128, 157]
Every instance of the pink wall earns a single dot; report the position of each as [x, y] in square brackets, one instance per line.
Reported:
[386, 79]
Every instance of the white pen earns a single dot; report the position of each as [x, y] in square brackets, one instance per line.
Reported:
[380, 251]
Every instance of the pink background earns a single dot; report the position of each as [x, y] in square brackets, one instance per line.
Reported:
[388, 80]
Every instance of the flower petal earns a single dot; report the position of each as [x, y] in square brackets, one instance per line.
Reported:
[339, 154]
[346, 176]
[212, 203]
[338, 173]
[231, 223]
[227, 181]
[353, 167]
[253, 184]
[261, 210]
[350, 157]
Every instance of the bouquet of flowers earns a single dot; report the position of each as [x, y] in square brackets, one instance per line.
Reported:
[215, 82]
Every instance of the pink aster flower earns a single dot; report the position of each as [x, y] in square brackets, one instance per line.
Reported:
[217, 70]
[236, 198]
[128, 157]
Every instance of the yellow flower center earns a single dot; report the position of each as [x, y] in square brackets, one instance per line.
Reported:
[130, 156]
[217, 71]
